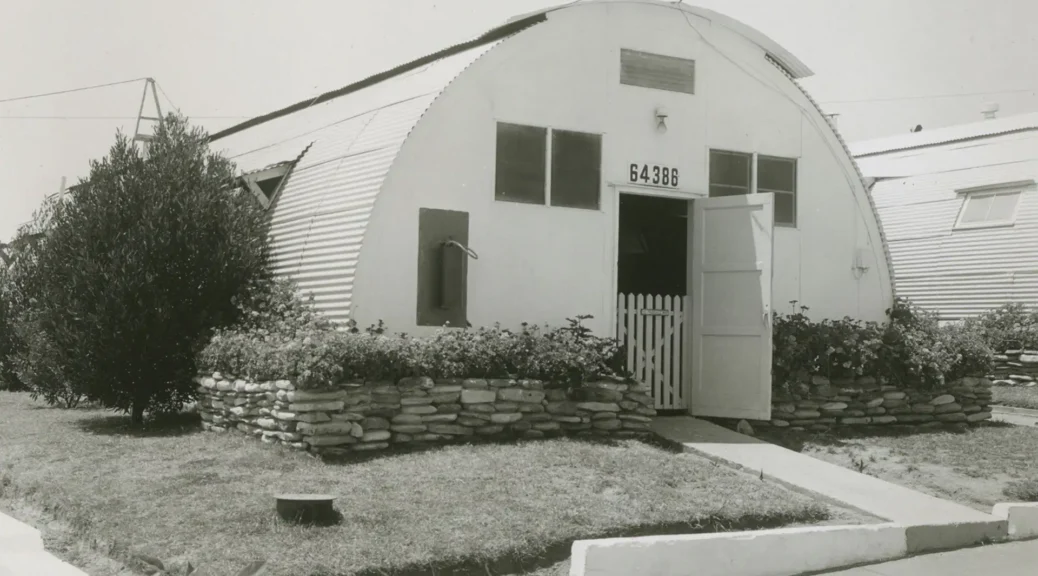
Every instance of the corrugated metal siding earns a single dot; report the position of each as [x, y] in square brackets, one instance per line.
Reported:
[318, 224]
[960, 273]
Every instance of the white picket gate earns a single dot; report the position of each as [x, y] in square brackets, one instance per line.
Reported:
[652, 327]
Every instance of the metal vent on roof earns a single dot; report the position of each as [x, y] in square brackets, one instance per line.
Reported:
[657, 71]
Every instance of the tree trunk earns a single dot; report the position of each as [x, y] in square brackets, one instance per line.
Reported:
[137, 413]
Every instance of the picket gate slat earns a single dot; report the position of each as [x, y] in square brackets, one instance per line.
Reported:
[652, 329]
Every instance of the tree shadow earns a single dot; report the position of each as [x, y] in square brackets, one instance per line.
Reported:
[170, 425]
[351, 457]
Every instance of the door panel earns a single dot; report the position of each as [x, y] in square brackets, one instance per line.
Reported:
[731, 243]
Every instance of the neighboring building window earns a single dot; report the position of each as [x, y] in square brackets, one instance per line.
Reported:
[779, 176]
[576, 161]
[266, 183]
[269, 186]
[521, 159]
[988, 209]
[524, 163]
[730, 173]
[657, 71]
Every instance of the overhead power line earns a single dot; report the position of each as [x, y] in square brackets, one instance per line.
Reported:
[929, 97]
[112, 117]
[31, 96]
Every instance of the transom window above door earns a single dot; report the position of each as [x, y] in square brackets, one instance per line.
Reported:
[547, 166]
[731, 174]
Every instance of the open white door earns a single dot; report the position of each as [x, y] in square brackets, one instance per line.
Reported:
[730, 287]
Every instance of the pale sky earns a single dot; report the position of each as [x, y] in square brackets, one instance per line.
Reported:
[223, 61]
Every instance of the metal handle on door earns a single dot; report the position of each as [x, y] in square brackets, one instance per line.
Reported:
[764, 317]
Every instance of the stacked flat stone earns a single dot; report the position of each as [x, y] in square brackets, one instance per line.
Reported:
[817, 404]
[365, 416]
[1016, 368]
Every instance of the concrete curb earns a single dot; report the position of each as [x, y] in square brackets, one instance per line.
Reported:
[779, 552]
[922, 538]
[794, 551]
[1021, 517]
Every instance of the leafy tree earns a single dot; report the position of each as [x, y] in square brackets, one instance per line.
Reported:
[136, 269]
[9, 379]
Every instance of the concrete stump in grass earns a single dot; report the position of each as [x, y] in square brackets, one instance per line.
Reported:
[310, 509]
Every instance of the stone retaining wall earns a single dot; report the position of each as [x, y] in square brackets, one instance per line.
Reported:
[819, 404]
[375, 415]
[1016, 368]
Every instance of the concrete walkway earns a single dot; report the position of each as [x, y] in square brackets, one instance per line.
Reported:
[22, 553]
[1011, 415]
[798, 471]
[1015, 559]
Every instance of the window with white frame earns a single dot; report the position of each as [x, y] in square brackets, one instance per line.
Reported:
[547, 166]
[779, 177]
[731, 174]
[988, 209]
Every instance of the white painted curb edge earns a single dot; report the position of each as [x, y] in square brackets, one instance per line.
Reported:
[778, 552]
[1021, 516]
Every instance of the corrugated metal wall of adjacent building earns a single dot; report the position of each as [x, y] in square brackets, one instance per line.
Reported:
[959, 273]
[319, 220]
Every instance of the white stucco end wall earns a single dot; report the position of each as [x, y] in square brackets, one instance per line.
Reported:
[543, 264]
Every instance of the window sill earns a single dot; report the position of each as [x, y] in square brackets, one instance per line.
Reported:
[983, 226]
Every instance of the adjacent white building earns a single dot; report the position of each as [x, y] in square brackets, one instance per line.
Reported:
[959, 207]
[651, 164]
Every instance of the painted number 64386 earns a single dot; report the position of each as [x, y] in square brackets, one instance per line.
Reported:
[654, 175]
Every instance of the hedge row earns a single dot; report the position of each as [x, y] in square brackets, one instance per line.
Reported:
[283, 338]
[910, 350]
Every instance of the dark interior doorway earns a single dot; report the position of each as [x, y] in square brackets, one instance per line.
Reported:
[653, 245]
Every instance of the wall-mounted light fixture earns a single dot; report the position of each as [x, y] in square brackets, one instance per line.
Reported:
[661, 120]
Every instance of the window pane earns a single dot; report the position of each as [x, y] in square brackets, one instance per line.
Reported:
[730, 168]
[976, 209]
[576, 163]
[520, 163]
[776, 174]
[1002, 207]
[721, 190]
[785, 209]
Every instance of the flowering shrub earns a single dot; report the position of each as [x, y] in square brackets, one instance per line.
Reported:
[282, 337]
[1010, 326]
[911, 349]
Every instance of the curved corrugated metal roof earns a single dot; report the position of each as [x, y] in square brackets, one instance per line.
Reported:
[947, 135]
[318, 221]
[792, 64]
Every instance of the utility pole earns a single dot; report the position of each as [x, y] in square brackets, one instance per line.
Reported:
[145, 139]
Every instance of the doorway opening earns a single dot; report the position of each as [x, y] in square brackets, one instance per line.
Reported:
[653, 245]
[652, 304]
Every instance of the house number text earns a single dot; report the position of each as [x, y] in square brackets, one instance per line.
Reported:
[653, 175]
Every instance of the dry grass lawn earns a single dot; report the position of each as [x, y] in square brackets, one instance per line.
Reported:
[978, 467]
[101, 493]
[1016, 396]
